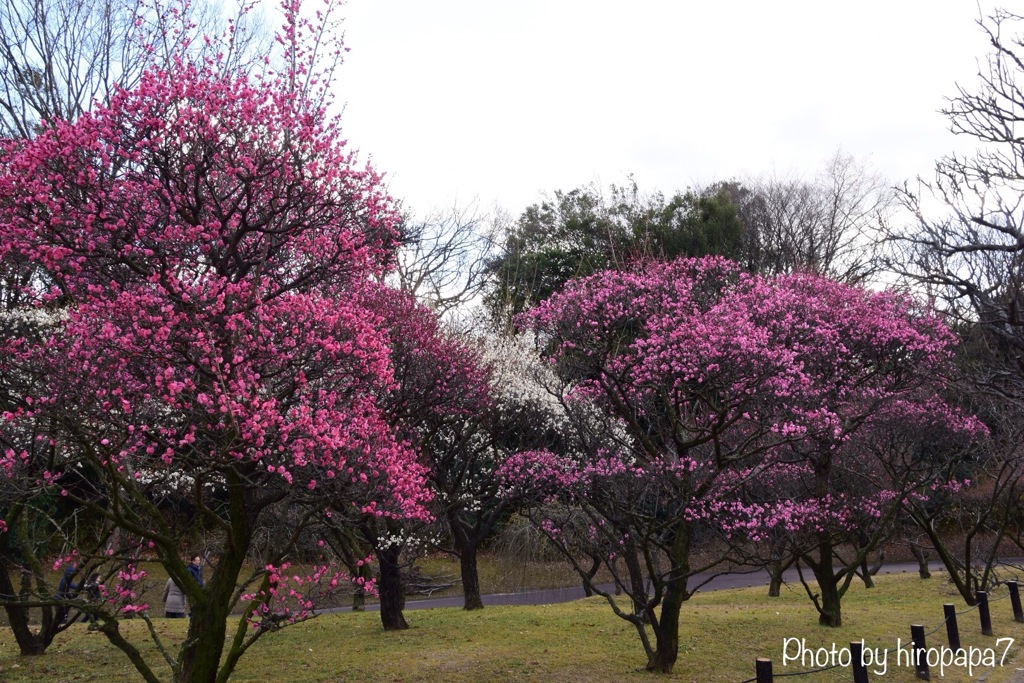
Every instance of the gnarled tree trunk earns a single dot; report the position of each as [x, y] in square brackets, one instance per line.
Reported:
[391, 589]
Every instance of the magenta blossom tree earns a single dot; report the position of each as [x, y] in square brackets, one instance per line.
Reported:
[207, 238]
[871, 369]
[460, 403]
[436, 403]
[707, 379]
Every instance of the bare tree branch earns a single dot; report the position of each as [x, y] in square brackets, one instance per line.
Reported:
[444, 260]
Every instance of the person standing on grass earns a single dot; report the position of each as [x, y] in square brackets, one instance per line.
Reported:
[174, 601]
[195, 568]
[95, 595]
[66, 590]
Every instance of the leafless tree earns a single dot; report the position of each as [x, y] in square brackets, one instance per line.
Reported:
[57, 57]
[968, 255]
[964, 248]
[443, 261]
[826, 225]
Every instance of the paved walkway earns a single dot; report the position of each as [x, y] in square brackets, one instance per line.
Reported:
[555, 595]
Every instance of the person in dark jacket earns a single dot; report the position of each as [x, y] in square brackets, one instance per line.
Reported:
[66, 590]
[92, 591]
[195, 568]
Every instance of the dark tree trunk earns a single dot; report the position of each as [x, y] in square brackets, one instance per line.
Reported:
[921, 555]
[666, 635]
[467, 545]
[865, 574]
[359, 595]
[30, 644]
[775, 573]
[829, 597]
[391, 589]
[201, 654]
[830, 612]
[468, 533]
[666, 624]
[866, 571]
[470, 578]
[591, 573]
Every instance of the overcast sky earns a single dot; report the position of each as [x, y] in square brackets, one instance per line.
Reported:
[498, 101]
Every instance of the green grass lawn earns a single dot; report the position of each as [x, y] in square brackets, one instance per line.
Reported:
[723, 632]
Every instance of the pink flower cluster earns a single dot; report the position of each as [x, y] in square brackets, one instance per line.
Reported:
[754, 404]
[210, 244]
[289, 596]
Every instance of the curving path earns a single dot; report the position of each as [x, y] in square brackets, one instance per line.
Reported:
[556, 595]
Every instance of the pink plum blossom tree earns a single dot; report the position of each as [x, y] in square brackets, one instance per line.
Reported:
[710, 379]
[969, 528]
[826, 506]
[518, 414]
[33, 523]
[209, 239]
[870, 366]
[460, 402]
[439, 392]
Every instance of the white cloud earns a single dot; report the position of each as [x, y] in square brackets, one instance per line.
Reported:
[501, 100]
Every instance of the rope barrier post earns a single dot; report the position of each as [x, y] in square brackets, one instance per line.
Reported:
[860, 672]
[763, 667]
[920, 652]
[984, 613]
[952, 631]
[1018, 613]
